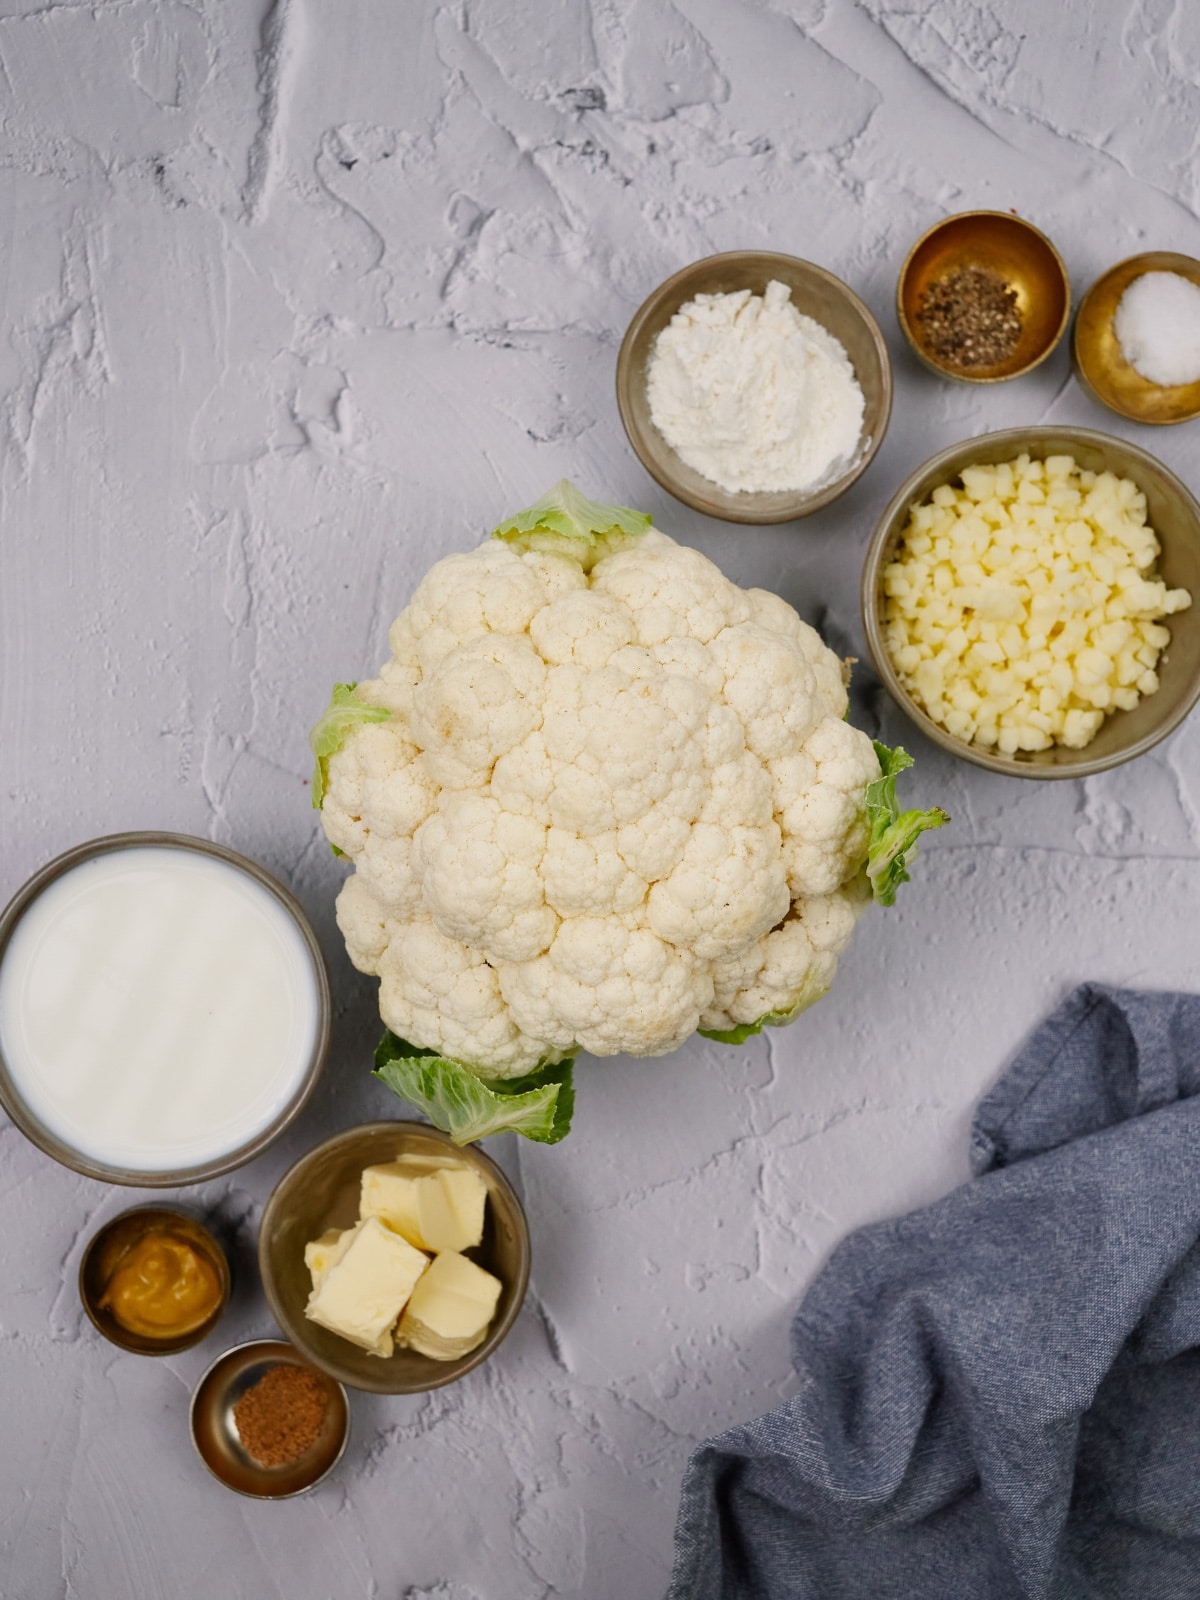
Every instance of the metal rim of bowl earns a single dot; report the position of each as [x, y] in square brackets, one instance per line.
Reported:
[876, 644]
[955, 374]
[348, 1136]
[1077, 364]
[48, 1142]
[283, 1351]
[164, 1347]
[828, 492]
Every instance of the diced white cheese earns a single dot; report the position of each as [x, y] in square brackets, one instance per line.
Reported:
[1022, 608]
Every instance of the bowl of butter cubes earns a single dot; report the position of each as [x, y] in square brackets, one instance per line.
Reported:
[394, 1259]
[1028, 601]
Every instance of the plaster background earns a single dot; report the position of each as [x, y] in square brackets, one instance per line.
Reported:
[298, 298]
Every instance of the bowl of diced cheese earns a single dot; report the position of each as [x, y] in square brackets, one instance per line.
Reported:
[1028, 601]
[394, 1259]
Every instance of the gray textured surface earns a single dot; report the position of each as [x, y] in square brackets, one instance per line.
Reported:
[297, 300]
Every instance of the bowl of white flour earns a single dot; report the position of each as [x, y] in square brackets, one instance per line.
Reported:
[754, 387]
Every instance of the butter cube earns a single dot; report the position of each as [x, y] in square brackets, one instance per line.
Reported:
[450, 1309]
[320, 1254]
[466, 1196]
[364, 1291]
[434, 1210]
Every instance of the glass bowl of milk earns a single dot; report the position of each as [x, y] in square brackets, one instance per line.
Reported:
[164, 1009]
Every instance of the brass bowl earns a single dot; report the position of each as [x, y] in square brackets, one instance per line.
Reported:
[1172, 513]
[995, 241]
[815, 293]
[322, 1191]
[103, 1255]
[1103, 370]
[215, 1435]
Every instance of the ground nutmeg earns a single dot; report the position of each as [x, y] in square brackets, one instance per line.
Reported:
[280, 1417]
[970, 318]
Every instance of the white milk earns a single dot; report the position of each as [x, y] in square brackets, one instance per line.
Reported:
[158, 1008]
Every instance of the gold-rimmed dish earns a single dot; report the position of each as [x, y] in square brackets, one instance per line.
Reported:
[112, 1244]
[815, 293]
[1101, 366]
[215, 1433]
[1174, 515]
[1005, 245]
[322, 1191]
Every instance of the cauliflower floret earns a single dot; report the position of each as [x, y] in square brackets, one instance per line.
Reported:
[770, 683]
[791, 967]
[440, 993]
[482, 698]
[481, 592]
[364, 923]
[609, 986]
[818, 800]
[481, 871]
[671, 592]
[615, 799]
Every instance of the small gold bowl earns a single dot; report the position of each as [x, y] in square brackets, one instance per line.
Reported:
[322, 1191]
[1175, 518]
[1103, 370]
[103, 1256]
[215, 1434]
[1013, 249]
[816, 294]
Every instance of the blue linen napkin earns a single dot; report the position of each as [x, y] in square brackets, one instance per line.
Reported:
[999, 1395]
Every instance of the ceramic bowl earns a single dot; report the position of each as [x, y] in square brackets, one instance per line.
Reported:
[1014, 250]
[1103, 370]
[215, 1434]
[322, 1191]
[103, 1256]
[815, 293]
[1175, 518]
[26, 1116]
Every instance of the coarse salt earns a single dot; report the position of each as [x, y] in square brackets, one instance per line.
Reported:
[1157, 324]
[752, 394]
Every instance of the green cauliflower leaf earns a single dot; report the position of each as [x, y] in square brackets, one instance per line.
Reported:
[810, 993]
[568, 523]
[538, 1105]
[894, 832]
[345, 712]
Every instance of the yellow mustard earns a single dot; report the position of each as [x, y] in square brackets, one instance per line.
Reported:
[162, 1287]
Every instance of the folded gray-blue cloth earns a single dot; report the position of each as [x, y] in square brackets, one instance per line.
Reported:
[999, 1396]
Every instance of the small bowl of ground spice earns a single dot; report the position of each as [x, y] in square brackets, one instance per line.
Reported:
[983, 297]
[268, 1424]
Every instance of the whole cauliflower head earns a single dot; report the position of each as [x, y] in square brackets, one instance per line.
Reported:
[598, 797]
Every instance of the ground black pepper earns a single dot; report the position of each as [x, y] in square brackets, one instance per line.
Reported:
[280, 1417]
[970, 318]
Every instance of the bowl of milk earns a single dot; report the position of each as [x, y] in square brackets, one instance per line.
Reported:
[164, 1009]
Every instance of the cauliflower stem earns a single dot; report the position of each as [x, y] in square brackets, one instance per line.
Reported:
[599, 798]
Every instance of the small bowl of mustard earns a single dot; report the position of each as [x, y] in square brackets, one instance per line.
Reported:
[983, 296]
[154, 1280]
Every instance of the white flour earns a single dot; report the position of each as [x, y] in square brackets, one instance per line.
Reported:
[753, 395]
